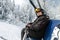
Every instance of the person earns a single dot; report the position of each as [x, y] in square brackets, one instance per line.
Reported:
[37, 28]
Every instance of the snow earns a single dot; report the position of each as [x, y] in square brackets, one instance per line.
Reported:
[10, 32]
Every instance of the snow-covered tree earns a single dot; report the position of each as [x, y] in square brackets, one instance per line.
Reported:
[16, 11]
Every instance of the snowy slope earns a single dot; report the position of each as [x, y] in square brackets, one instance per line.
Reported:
[10, 32]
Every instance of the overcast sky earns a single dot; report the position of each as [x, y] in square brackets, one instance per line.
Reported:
[19, 2]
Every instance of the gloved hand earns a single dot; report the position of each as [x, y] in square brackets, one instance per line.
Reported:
[28, 25]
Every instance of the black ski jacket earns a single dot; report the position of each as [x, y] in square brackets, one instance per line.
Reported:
[38, 27]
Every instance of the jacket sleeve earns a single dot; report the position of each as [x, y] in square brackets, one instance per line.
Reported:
[40, 23]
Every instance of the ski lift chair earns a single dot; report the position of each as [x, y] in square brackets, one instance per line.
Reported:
[50, 28]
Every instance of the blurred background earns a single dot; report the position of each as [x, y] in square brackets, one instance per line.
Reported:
[21, 11]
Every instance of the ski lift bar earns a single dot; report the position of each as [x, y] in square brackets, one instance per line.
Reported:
[36, 9]
[39, 4]
[32, 4]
